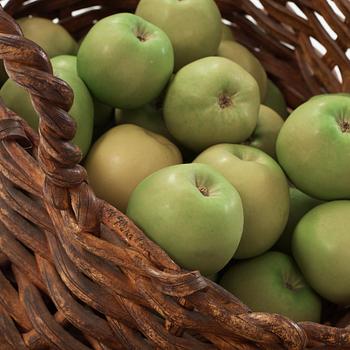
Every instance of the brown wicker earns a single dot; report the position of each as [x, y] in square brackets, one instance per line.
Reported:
[75, 273]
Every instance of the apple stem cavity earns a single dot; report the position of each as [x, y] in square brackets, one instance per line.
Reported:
[344, 126]
[225, 100]
[203, 190]
[141, 35]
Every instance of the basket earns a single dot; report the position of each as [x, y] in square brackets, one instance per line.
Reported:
[76, 273]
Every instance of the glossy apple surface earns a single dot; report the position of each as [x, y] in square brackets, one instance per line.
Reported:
[321, 248]
[313, 147]
[242, 56]
[193, 26]
[123, 157]
[263, 189]
[52, 37]
[300, 204]
[82, 110]
[125, 61]
[273, 283]
[193, 213]
[211, 101]
[275, 99]
[267, 129]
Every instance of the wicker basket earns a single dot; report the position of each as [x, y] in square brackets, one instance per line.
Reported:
[75, 273]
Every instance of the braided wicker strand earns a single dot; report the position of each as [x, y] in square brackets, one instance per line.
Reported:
[75, 273]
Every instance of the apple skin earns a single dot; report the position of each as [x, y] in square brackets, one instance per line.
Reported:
[200, 232]
[125, 61]
[227, 33]
[321, 249]
[313, 147]
[267, 128]
[122, 157]
[102, 112]
[300, 204]
[67, 62]
[273, 283]
[263, 189]
[242, 56]
[148, 117]
[52, 37]
[211, 101]
[275, 99]
[193, 26]
[17, 99]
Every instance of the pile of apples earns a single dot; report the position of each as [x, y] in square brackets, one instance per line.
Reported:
[262, 204]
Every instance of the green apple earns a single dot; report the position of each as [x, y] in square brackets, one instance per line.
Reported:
[313, 147]
[321, 248]
[67, 62]
[265, 134]
[210, 101]
[52, 37]
[192, 212]
[275, 99]
[227, 33]
[148, 117]
[273, 283]
[17, 99]
[123, 157]
[242, 56]
[125, 61]
[263, 189]
[193, 26]
[102, 112]
[300, 204]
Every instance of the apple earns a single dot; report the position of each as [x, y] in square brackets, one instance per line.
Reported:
[125, 61]
[67, 62]
[227, 33]
[192, 212]
[17, 98]
[313, 147]
[263, 189]
[123, 157]
[242, 56]
[275, 99]
[210, 101]
[267, 128]
[52, 37]
[321, 249]
[102, 112]
[149, 117]
[193, 26]
[300, 204]
[273, 283]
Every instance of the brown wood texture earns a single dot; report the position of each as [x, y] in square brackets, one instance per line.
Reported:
[76, 273]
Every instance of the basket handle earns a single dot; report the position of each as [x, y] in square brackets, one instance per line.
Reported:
[29, 66]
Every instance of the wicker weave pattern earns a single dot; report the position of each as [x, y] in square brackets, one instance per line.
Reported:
[75, 273]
